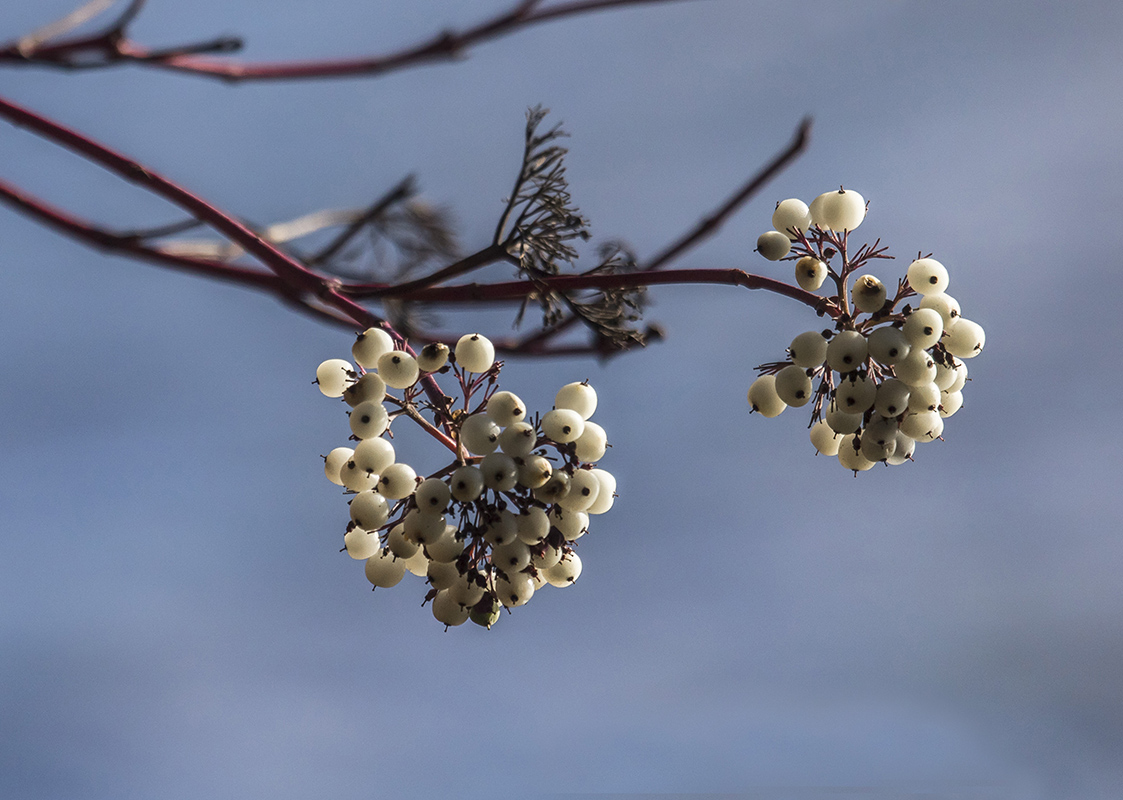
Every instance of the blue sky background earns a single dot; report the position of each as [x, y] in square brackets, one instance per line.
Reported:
[175, 621]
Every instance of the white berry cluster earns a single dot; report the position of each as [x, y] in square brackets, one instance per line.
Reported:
[502, 518]
[889, 373]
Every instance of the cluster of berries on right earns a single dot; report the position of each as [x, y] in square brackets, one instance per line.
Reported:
[891, 370]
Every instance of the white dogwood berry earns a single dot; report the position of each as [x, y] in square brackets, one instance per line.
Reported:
[466, 483]
[810, 273]
[888, 345]
[397, 481]
[334, 462]
[793, 386]
[384, 570]
[607, 494]
[868, 294]
[791, 215]
[533, 525]
[505, 409]
[432, 494]
[369, 510]
[432, 357]
[809, 349]
[928, 276]
[475, 352]
[946, 305]
[592, 443]
[333, 376]
[966, 339]
[763, 398]
[500, 472]
[368, 387]
[850, 456]
[534, 472]
[361, 544]
[356, 478]
[923, 328]
[399, 369]
[579, 397]
[447, 609]
[374, 455]
[563, 425]
[892, 397]
[916, 369]
[855, 393]
[565, 572]
[847, 351]
[838, 211]
[583, 490]
[518, 440]
[773, 245]
[369, 420]
[370, 346]
[479, 434]
[401, 546]
[825, 440]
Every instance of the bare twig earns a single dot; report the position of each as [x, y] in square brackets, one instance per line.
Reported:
[400, 192]
[63, 25]
[113, 47]
[711, 223]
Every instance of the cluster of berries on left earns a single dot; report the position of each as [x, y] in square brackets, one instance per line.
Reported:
[501, 519]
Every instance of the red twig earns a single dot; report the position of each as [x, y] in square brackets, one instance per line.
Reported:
[404, 291]
[114, 47]
[298, 279]
[517, 290]
[711, 223]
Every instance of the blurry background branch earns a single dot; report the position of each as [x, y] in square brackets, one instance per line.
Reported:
[112, 46]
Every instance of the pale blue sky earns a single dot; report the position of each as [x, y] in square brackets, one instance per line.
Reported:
[175, 621]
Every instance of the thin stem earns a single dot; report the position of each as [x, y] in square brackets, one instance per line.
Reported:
[411, 411]
[403, 190]
[489, 255]
[711, 223]
[517, 290]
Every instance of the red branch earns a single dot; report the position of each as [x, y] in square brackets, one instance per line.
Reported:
[517, 290]
[335, 300]
[297, 278]
[84, 231]
[113, 46]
